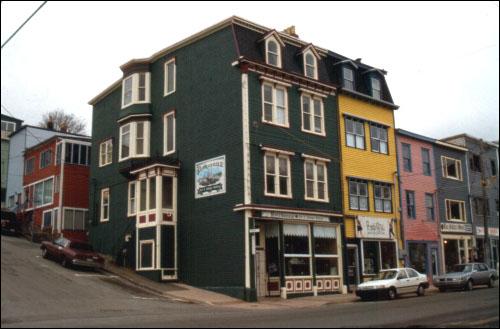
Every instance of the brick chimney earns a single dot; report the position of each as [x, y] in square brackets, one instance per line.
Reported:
[291, 31]
[50, 125]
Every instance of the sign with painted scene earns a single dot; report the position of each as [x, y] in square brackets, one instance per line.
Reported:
[210, 177]
[374, 228]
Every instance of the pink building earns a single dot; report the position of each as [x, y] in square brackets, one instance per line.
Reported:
[419, 203]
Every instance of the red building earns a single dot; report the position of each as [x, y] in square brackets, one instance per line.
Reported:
[56, 183]
[419, 204]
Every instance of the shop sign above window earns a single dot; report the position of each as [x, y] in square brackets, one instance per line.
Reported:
[374, 228]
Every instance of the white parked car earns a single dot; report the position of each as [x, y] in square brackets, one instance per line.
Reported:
[394, 282]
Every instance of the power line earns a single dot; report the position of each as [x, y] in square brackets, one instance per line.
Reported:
[20, 27]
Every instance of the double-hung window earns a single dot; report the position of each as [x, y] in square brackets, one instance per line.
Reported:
[376, 88]
[170, 77]
[383, 197]
[275, 104]
[378, 135]
[348, 78]
[316, 181]
[169, 133]
[47, 219]
[105, 205]
[429, 206]
[426, 162]
[106, 153]
[29, 166]
[358, 195]
[132, 199]
[313, 120]
[273, 53]
[136, 89]
[407, 157]
[43, 193]
[355, 133]
[134, 140]
[452, 168]
[278, 180]
[410, 204]
[310, 65]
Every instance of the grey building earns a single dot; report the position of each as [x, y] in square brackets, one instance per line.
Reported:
[9, 125]
[455, 229]
[483, 166]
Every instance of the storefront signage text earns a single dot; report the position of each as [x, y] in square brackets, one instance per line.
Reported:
[374, 228]
[456, 228]
[295, 216]
[493, 231]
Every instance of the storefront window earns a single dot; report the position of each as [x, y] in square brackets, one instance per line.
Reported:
[297, 253]
[388, 253]
[371, 257]
[451, 254]
[418, 255]
[325, 249]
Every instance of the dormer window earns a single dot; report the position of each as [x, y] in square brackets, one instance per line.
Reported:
[310, 65]
[376, 89]
[273, 53]
[348, 75]
[136, 89]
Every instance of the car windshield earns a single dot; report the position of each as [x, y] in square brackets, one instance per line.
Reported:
[463, 268]
[81, 246]
[387, 275]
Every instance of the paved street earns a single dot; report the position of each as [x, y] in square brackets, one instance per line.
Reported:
[40, 293]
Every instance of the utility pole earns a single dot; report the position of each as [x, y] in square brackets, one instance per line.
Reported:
[484, 186]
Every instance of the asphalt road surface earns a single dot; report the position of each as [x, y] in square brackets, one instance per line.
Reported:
[40, 293]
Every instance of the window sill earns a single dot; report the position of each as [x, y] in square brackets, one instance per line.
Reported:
[169, 153]
[278, 196]
[103, 165]
[135, 103]
[322, 134]
[169, 93]
[317, 200]
[276, 124]
[104, 220]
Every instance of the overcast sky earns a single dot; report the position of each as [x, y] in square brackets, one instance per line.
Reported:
[442, 58]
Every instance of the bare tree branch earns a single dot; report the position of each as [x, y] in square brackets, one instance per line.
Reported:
[61, 121]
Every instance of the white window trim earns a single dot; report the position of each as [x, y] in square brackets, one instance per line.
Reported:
[277, 156]
[153, 260]
[463, 211]
[312, 115]
[315, 189]
[353, 81]
[379, 90]
[135, 184]
[309, 255]
[165, 133]
[356, 146]
[315, 75]
[445, 168]
[104, 190]
[43, 195]
[51, 218]
[133, 139]
[135, 89]
[165, 77]
[108, 144]
[357, 195]
[278, 54]
[274, 88]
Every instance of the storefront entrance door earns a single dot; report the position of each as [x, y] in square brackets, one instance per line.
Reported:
[353, 266]
[260, 262]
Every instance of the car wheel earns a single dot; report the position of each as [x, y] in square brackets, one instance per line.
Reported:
[469, 285]
[420, 290]
[45, 253]
[391, 294]
[442, 289]
[491, 282]
[65, 262]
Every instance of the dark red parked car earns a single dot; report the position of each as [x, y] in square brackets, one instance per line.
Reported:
[72, 252]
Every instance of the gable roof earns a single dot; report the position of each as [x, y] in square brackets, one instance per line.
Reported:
[275, 34]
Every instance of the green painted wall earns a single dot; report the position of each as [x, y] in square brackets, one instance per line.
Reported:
[293, 139]
[208, 124]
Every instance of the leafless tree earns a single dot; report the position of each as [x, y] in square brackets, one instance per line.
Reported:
[61, 121]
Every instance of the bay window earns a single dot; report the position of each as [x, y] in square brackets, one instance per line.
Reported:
[167, 192]
[136, 89]
[297, 250]
[278, 178]
[146, 255]
[134, 140]
[132, 199]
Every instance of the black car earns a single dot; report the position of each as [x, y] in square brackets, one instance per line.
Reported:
[10, 224]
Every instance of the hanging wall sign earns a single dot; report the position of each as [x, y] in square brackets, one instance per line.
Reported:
[210, 177]
[374, 228]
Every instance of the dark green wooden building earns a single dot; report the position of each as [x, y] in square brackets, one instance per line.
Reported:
[218, 165]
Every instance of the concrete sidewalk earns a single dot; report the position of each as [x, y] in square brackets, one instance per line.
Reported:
[188, 294]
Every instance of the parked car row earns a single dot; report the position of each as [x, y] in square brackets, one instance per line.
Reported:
[395, 282]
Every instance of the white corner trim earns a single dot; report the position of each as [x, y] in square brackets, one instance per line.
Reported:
[313, 92]
[278, 82]
[274, 150]
[307, 156]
